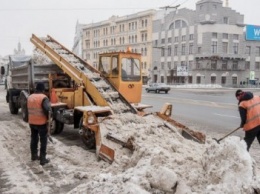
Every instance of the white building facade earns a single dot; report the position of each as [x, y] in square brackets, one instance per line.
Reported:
[202, 46]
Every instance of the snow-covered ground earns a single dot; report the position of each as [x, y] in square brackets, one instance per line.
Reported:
[162, 162]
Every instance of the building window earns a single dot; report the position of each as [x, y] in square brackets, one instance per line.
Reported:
[176, 39]
[178, 24]
[175, 65]
[87, 44]
[191, 37]
[247, 65]
[156, 42]
[248, 50]
[198, 65]
[183, 38]
[144, 23]
[257, 51]
[214, 35]
[234, 80]
[169, 50]
[183, 63]
[235, 48]
[169, 40]
[225, 47]
[199, 50]
[191, 48]
[213, 64]
[183, 49]
[213, 79]
[225, 36]
[257, 65]
[190, 64]
[235, 65]
[176, 50]
[225, 20]
[235, 36]
[163, 41]
[223, 80]
[224, 65]
[162, 65]
[214, 47]
[169, 65]
[162, 52]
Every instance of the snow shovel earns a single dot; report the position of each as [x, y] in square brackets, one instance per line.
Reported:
[218, 140]
[49, 128]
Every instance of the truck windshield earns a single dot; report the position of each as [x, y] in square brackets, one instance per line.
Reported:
[131, 69]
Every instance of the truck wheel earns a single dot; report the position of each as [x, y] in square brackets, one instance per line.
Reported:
[87, 136]
[166, 92]
[23, 103]
[24, 113]
[7, 97]
[13, 109]
[56, 127]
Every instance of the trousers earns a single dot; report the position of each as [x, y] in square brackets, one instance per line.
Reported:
[39, 131]
[251, 135]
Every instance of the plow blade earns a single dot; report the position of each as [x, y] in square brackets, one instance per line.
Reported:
[185, 131]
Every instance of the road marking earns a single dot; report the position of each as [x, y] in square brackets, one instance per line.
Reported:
[226, 115]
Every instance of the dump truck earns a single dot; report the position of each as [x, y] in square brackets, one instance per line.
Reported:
[83, 96]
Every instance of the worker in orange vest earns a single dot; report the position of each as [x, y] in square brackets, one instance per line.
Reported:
[38, 106]
[249, 109]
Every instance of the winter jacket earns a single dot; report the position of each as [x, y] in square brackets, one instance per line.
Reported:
[38, 107]
[249, 109]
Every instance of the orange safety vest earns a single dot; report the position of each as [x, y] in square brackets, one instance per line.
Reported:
[253, 112]
[36, 115]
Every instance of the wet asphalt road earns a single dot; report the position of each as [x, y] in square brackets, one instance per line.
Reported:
[212, 111]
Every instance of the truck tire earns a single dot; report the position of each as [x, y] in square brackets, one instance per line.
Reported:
[56, 127]
[23, 102]
[7, 97]
[24, 110]
[13, 109]
[87, 136]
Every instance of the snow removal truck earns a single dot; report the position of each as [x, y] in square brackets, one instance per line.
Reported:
[82, 95]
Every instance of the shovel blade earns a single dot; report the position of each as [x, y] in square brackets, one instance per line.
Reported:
[106, 153]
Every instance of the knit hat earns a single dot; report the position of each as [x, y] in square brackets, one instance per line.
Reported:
[238, 92]
[40, 87]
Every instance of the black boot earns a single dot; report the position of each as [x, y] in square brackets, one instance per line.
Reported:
[35, 157]
[44, 160]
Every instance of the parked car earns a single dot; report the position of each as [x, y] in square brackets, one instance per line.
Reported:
[158, 87]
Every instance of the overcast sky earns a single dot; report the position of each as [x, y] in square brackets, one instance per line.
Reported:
[19, 19]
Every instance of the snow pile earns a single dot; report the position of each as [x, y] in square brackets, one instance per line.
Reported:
[163, 162]
[39, 57]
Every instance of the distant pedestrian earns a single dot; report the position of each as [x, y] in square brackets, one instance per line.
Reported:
[249, 110]
[38, 109]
